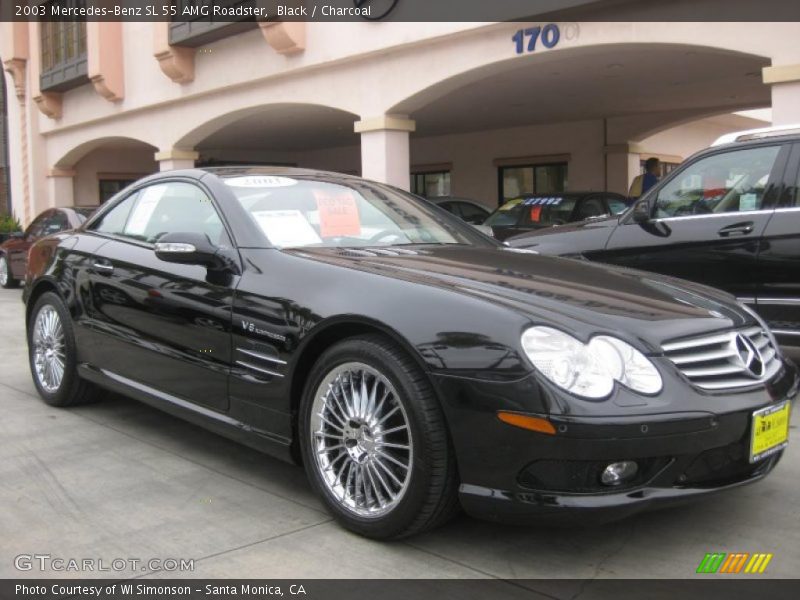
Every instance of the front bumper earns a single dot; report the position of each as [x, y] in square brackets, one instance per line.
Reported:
[512, 474]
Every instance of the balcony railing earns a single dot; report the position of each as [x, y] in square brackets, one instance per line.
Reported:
[63, 52]
[190, 27]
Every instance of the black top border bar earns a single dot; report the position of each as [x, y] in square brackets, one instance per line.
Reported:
[403, 10]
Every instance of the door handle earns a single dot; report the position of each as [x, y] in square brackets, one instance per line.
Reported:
[736, 229]
[103, 268]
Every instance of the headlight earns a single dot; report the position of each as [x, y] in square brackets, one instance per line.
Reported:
[589, 370]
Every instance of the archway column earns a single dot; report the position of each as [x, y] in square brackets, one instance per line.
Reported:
[61, 187]
[385, 154]
[785, 82]
[622, 165]
[176, 158]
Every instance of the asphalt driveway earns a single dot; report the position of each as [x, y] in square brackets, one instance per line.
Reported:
[121, 480]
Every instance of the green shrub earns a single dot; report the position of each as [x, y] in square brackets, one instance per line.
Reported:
[9, 223]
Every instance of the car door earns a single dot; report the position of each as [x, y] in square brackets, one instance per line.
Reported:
[778, 298]
[166, 326]
[707, 220]
[17, 249]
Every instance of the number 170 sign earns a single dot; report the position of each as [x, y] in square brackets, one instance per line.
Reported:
[526, 40]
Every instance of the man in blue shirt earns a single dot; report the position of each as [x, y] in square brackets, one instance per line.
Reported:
[644, 182]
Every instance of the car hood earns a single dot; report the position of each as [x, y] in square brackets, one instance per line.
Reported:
[592, 233]
[578, 295]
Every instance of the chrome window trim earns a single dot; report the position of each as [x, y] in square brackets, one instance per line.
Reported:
[780, 301]
[714, 215]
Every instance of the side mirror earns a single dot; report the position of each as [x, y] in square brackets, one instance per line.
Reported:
[641, 212]
[194, 249]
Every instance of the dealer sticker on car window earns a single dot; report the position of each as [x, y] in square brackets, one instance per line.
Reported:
[748, 202]
[143, 212]
[260, 181]
[338, 214]
[511, 204]
[286, 228]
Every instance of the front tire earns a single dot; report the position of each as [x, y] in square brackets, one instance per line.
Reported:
[53, 357]
[374, 440]
[7, 280]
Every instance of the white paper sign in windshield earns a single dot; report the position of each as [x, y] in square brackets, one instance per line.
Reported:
[286, 228]
[143, 211]
[260, 181]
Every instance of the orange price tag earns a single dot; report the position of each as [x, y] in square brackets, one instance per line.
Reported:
[338, 214]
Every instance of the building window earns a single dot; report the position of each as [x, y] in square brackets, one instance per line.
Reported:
[523, 180]
[665, 168]
[110, 187]
[431, 185]
[63, 50]
[194, 23]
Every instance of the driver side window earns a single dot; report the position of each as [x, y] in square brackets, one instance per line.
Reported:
[170, 207]
[734, 181]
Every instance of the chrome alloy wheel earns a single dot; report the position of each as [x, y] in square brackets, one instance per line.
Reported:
[48, 349]
[3, 272]
[361, 439]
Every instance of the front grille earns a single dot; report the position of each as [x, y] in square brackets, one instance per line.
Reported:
[734, 359]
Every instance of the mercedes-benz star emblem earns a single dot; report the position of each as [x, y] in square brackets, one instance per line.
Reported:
[749, 355]
[379, 8]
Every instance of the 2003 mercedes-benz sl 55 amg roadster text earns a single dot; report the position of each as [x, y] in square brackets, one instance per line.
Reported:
[409, 362]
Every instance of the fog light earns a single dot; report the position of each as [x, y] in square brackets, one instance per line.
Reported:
[619, 472]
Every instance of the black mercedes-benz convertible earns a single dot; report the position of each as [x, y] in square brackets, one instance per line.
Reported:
[409, 362]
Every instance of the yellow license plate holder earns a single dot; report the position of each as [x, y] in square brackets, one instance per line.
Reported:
[770, 431]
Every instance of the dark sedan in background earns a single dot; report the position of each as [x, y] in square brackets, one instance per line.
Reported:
[406, 360]
[547, 210]
[14, 251]
[467, 210]
[728, 217]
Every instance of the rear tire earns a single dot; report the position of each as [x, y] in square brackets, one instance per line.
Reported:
[374, 440]
[53, 357]
[7, 280]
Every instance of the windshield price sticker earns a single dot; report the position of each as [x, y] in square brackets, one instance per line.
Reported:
[286, 228]
[554, 201]
[338, 214]
[260, 181]
[143, 212]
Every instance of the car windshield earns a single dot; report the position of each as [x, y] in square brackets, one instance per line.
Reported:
[533, 212]
[306, 213]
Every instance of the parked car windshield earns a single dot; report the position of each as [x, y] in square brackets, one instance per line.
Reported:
[533, 212]
[305, 213]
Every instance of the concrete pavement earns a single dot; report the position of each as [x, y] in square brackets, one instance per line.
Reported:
[120, 480]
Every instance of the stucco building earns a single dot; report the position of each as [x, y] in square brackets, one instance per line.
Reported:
[457, 109]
